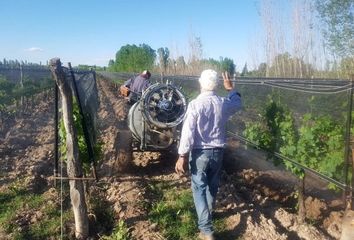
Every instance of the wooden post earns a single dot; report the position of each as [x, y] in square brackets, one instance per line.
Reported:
[346, 196]
[348, 218]
[21, 84]
[56, 132]
[74, 166]
[352, 148]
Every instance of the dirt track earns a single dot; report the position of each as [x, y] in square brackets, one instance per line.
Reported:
[255, 204]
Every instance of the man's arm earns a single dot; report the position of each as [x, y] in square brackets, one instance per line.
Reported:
[128, 82]
[234, 98]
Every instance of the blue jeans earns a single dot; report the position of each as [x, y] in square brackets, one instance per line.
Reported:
[205, 167]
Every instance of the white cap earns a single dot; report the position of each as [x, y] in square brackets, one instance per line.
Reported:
[208, 80]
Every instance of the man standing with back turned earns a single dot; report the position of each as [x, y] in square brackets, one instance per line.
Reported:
[202, 143]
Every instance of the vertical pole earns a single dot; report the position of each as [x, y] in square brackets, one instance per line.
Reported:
[56, 132]
[73, 163]
[93, 162]
[348, 218]
[21, 84]
[352, 149]
[348, 147]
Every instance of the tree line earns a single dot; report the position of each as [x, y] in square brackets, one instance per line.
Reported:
[15, 64]
[319, 43]
[135, 58]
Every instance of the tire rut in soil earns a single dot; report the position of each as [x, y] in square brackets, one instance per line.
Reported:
[115, 133]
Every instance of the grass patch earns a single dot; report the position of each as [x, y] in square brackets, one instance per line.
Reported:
[101, 215]
[48, 227]
[173, 211]
[120, 232]
[25, 215]
[119, 81]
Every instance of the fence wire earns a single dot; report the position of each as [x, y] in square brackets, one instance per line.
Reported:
[301, 123]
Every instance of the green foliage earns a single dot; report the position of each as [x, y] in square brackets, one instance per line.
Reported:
[10, 92]
[227, 64]
[120, 232]
[6, 93]
[90, 67]
[258, 133]
[83, 153]
[196, 50]
[181, 63]
[285, 65]
[16, 202]
[14, 64]
[321, 145]
[244, 72]
[275, 129]
[338, 19]
[163, 54]
[346, 67]
[261, 71]
[210, 63]
[132, 58]
[100, 212]
[173, 211]
[318, 143]
[111, 64]
[190, 95]
[224, 64]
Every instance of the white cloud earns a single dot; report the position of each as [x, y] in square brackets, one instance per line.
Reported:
[34, 49]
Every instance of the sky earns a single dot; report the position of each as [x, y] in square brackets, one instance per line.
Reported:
[92, 31]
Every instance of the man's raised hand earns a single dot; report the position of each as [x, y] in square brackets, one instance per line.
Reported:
[227, 82]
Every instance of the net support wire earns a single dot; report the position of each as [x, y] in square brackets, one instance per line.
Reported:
[314, 85]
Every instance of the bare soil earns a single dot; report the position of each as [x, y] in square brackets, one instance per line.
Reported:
[256, 200]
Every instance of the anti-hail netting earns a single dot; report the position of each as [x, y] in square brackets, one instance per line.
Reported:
[24, 87]
[88, 96]
[300, 123]
[21, 88]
